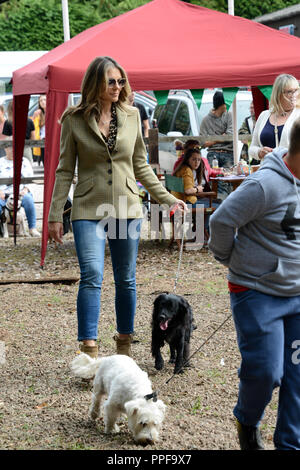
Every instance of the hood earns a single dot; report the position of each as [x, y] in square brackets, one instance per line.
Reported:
[274, 161]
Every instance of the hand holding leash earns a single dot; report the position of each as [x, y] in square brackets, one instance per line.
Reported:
[179, 205]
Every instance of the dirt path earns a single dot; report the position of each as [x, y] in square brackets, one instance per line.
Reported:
[43, 407]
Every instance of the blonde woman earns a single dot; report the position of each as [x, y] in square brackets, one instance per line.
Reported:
[273, 126]
[103, 135]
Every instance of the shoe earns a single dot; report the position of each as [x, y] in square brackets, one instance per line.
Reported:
[34, 232]
[123, 345]
[92, 351]
[249, 437]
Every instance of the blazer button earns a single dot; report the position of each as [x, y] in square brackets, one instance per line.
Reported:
[109, 182]
[109, 171]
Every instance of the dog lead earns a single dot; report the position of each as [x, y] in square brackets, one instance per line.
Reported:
[151, 395]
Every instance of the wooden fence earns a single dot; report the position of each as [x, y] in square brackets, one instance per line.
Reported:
[153, 148]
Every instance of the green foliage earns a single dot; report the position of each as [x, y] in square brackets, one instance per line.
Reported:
[246, 8]
[111, 8]
[37, 24]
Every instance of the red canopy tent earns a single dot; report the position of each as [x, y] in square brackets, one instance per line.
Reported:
[163, 45]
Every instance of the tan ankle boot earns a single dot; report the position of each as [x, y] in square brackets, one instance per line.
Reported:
[123, 345]
[92, 351]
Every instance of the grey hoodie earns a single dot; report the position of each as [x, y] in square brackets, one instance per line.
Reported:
[264, 252]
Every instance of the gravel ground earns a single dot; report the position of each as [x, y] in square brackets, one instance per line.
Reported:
[42, 406]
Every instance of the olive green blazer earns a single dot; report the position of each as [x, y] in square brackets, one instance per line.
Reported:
[106, 183]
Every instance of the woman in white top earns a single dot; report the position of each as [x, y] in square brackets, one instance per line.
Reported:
[273, 126]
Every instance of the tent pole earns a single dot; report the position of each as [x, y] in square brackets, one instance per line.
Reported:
[234, 109]
[66, 24]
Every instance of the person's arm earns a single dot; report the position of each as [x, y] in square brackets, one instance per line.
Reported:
[245, 204]
[64, 177]
[244, 127]
[229, 125]
[256, 150]
[190, 189]
[146, 127]
[205, 130]
[31, 129]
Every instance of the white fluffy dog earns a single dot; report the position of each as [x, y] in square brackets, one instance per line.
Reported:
[128, 389]
[20, 222]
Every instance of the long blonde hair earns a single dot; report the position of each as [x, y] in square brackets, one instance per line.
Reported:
[281, 83]
[94, 83]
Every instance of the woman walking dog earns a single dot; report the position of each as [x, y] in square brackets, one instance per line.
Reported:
[104, 133]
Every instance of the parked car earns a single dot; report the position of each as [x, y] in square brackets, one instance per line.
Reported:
[180, 116]
[147, 99]
[142, 97]
[8, 97]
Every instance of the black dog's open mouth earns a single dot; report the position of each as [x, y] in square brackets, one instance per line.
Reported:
[163, 325]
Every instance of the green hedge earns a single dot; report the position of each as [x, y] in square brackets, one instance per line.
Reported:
[37, 24]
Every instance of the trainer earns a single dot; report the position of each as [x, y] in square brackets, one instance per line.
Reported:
[256, 234]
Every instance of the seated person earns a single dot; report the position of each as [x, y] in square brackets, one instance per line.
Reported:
[195, 171]
[189, 144]
[6, 171]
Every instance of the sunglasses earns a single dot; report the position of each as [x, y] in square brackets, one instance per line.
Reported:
[291, 93]
[112, 82]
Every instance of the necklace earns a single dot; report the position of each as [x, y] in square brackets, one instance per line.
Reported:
[105, 122]
[285, 113]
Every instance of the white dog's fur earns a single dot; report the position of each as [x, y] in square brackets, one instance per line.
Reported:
[126, 385]
[21, 227]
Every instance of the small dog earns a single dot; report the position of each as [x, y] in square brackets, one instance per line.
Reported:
[129, 391]
[172, 321]
[9, 218]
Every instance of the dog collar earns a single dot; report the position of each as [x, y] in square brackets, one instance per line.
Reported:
[151, 395]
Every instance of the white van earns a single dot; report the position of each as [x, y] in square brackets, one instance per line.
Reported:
[11, 61]
[180, 116]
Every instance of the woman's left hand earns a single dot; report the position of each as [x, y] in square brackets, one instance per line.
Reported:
[179, 205]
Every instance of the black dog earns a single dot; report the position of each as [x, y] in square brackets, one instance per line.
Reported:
[172, 321]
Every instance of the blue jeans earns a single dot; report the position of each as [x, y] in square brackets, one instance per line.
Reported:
[90, 237]
[225, 160]
[268, 335]
[205, 201]
[28, 204]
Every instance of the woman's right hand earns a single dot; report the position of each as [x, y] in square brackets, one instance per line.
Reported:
[55, 232]
[263, 152]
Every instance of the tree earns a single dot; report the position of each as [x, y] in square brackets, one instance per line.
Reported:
[246, 8]
[37, 24]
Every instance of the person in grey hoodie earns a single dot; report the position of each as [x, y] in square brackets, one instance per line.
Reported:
[256, 234]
